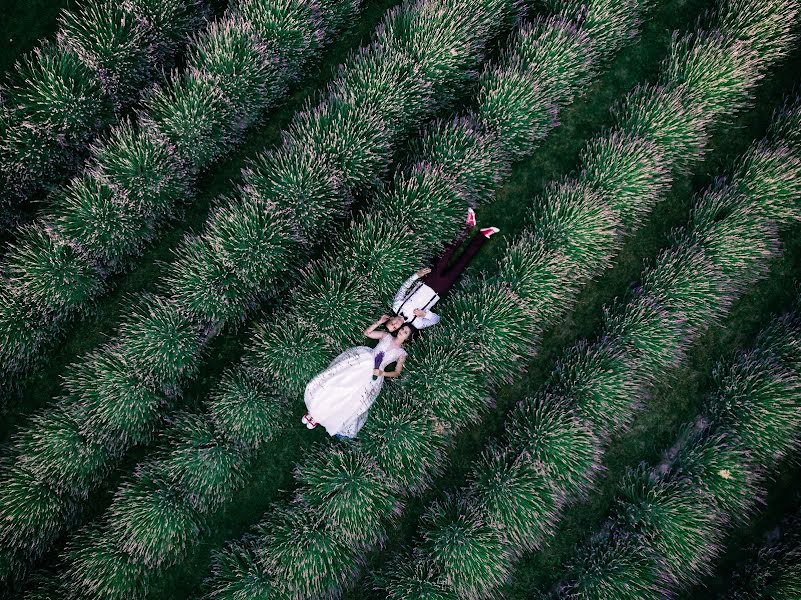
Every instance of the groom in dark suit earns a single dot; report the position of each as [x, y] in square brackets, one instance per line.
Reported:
[413, 301]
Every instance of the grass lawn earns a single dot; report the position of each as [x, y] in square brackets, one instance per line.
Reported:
[675, 401]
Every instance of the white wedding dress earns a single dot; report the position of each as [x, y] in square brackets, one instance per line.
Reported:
[340, 397]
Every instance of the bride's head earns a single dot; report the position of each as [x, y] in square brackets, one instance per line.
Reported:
[404, 333]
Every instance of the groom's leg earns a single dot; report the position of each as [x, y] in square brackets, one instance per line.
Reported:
[441, 262]
[447, 279]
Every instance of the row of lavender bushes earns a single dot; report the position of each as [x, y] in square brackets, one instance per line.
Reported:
[146, 168]
[670, 522]
[554, 440]
[348, 497]
[175, 496]
[774, 571]
[63, 94]
[424, 54]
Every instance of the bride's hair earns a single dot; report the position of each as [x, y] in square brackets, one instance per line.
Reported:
[413, 331]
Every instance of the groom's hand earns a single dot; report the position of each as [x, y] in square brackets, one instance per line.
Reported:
[419, 313]
[424, 271]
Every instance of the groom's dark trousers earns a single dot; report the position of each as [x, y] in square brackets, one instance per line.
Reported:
[442, 277]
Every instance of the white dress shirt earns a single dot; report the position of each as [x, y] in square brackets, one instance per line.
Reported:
[415, 294]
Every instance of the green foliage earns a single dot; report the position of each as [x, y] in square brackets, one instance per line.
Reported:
[780, 341]
[466, 553]
[303, 183]
[405, 439]
[535, 273]
[22, 331]
[406, 578]
[197, 464]
[54, 105]
[493, 330]
[246, 409]
[27, 504]
[304, 556]
[439, 39]
[353, 138]
[632, 172]
[110, 41]
[98, 568]
[346, 490]
[240, 67]
[105, 227]
[666, 116]
[757, 401]
[381, 249]
[253, 241]
[167, 23]
[608, 23]
[141, 167]
[457, 396]
[520, 98]
[517, 497]
[717, 463]
[58, 452]
[239, 575]
[291, 29]
[716, 72]
[159, 342]
[574, 220]
[685, 282]
[598, 380]
[379, 78]
[218, 276]
[120, 410]
[53, 277]
[416, 200]
[786, 123]
[765, 25]
[289, 353]
[331, 300]
[152, 522]
[676, 521]
[549, 434]
[612, 566]
[774, 573]
[193, 115]
[735, 236]
[768, 175]
[468, 155]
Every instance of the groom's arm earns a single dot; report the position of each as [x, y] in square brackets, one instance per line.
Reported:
[403, 292]
[428, 320]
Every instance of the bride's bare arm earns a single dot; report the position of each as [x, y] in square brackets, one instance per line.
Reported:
[396, 372]
[372, 333]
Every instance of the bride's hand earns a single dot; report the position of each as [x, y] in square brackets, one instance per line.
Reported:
[383, 319]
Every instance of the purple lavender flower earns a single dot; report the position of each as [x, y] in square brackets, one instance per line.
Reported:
[377, 363]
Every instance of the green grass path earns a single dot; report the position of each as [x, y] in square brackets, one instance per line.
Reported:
[23, 23]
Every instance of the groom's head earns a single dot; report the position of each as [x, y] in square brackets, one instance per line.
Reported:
[394, 323]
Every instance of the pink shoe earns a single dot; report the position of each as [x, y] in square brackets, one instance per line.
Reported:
[308, 421]
[488, 231]
[471, 217]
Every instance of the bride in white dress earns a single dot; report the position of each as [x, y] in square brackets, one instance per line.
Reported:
[340, 397]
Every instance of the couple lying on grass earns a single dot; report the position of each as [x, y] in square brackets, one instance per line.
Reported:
[340, 397]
